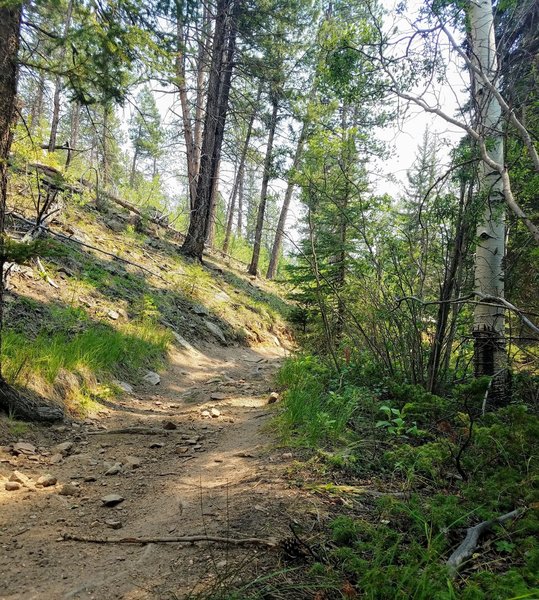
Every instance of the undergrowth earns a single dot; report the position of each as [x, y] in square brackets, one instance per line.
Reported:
[442, 467]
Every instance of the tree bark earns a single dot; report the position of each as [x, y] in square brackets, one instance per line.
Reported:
[10, 23]
[58, 82]
[239, 226]
[239, 176]
[253, 267]
[447, 292]
[192, 170]
[278, 241]
[490, 356]
[224, 43]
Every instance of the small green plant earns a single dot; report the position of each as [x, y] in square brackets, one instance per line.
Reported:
[395, 422]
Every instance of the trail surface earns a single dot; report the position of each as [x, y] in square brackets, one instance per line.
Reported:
[192, 473]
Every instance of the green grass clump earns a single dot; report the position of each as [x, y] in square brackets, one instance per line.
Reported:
[69, 341]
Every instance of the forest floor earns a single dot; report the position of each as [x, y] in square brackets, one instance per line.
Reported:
[194, 474]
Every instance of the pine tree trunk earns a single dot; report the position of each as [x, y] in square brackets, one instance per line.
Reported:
[192, 170]
[253, 267]
[224, 43]
[490, 356]
[36, 111]
[10, 23]
[278, 241]
[210, 236]
[55, 120]
[239, 226]
[202, 73]
[239, 177]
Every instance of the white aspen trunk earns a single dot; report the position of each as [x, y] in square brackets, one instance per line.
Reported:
[489, 320]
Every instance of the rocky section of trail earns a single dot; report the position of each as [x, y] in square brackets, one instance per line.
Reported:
[189, 456]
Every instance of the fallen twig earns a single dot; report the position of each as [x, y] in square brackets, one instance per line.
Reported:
[190, 539]
[473, 535]
[134, 430]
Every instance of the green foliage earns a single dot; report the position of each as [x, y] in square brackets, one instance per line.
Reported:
[395, 422]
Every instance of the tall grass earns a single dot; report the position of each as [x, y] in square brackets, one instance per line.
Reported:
[99, 349]
[313, 411]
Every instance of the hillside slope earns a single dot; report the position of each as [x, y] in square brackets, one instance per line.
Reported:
[111, 300]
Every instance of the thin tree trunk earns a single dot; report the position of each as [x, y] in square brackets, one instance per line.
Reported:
[58, 82]
[74, 131]
[239, 226]
[239, 175]
[210, 237]
[490, 356]
[135, 158]
[278, 241]
[253, 267]
[37, 105]
[202, 71]
[446, 293]
[192, 170]
[216, 112]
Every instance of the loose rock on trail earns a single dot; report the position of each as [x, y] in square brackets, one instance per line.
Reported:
[189, 457]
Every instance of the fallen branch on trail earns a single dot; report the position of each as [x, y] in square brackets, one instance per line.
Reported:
[473, 535]
[190, 539]
[133, 430]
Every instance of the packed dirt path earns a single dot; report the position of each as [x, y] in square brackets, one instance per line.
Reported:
[186, 473]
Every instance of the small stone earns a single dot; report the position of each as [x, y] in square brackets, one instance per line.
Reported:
[112, 499]
[181, 450]
[46, 480]
[123, 313]
[11, 486]
[133, 462]
[21, 478]
[126, 387]
[274, 397]
[113, 524]
[215, 330]
[169, 426]
[200, 310]
[114, 469]
[205, 414]
[24, 448]
[89, 479]
[68, 489]
[64, 448]
[112, 314]
[287, 455]
[152, 378]
[215, 413]
[55, 459]
[156, 445]
[191, 441]
[218, 396]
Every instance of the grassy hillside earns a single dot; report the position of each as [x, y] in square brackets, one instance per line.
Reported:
[86, 316]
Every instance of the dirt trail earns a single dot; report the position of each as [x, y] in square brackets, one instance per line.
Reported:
[199, 474]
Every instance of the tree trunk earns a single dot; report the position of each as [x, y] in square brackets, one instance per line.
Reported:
[210, 236]
[10, 22]
[253, 267]
[36, 111]
[239, 176]
[214, 124]
[447, 292]
[74, 131]
[192, 170]
[239, 226]
[202, 71]
[58, 83]
[490, 356]
[278, 241]
[134, 163]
